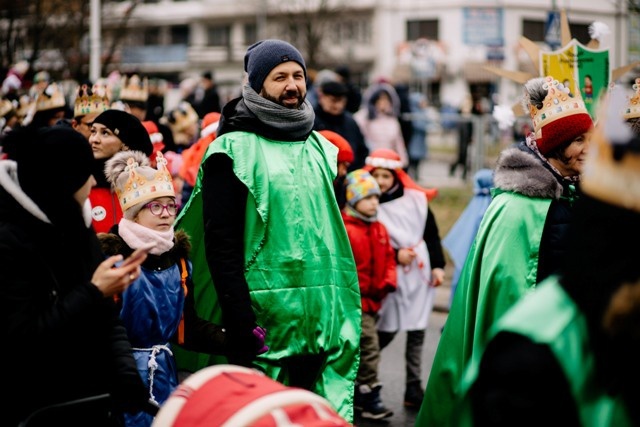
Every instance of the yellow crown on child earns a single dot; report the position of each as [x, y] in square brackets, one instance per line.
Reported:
[89, 101]
[632, 110]
[51, 97]
[558, 104]
[134, 89]
[142, 184]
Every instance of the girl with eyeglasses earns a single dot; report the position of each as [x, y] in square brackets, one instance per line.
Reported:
[158, 308]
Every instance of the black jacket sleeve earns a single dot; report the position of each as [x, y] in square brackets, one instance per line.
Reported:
[521, 383]
[224, 200]
[199, 334]
[432, 238]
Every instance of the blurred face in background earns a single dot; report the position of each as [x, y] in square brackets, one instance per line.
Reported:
[384, 177]
[332, 104]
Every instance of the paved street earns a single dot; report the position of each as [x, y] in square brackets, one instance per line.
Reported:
[392, 373]
[435, 172]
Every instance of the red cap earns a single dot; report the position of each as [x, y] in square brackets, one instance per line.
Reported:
[345, 153]
[388, 159]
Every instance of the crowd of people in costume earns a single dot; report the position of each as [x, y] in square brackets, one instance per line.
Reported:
[286, 233]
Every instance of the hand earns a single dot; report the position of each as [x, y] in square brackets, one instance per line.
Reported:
[260, 333]
[111, 280]
[406, 256]
[437, 277]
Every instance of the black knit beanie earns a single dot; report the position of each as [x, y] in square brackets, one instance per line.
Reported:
[128, 128]
[53, 162]
[264, 56]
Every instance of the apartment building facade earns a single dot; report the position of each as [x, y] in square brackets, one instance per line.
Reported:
[438, 46]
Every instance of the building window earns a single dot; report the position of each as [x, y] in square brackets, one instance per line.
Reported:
[180, 34]
[219, 35]
[535, 31]
[250, 34]
[356, 31]
[423, 29]
[151, 36]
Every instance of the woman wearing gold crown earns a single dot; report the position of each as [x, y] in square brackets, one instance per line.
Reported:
[568, 354]
[158, 308]
[521, 239]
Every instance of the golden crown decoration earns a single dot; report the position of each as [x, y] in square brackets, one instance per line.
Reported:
[142, 186]
[558, 103]
[632, 110]
[51, 97]
[89, 101]
[134, 89]
[182, 117]
[6, 106]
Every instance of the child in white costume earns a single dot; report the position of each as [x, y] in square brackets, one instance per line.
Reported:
[420, 262]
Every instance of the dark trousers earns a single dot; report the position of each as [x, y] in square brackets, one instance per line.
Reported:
[412, 353]
[369, 351]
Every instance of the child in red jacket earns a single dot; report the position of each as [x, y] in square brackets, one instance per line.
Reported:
[376, 263]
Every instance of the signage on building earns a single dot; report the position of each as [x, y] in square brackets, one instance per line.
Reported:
[552, 33]
[580, 69]
[484, 26]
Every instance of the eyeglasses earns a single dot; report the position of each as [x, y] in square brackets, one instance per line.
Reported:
[157, 208]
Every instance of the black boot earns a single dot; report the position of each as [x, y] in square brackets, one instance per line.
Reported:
[367, 401]
[413, 395]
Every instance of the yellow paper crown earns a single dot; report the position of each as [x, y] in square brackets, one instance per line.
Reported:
[611, 170]
[25, 105]
[632, 109]
[558, 103]
[51, 97]
[134, 89]
[182, 117]
[144, 183]
[89, 101]
[6, 106]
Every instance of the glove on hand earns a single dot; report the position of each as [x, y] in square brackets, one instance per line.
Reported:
[260, 333]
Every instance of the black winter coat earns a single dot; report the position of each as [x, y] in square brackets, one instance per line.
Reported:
[62, 339]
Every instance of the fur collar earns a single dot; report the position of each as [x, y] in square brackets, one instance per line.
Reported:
[522, 172]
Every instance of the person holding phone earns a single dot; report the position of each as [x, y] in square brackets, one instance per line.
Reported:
[64, 339]
[158, 308]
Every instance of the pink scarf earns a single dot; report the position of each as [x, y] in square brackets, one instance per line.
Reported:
[136, 235]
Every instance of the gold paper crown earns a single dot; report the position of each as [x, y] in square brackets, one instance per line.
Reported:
[6, 106]
[182, 117]
[25, 104]
[632, 109]
[558, 103]
[611, 171]
[134, 89]
[144, 183]
[89, 102]
[51, 97]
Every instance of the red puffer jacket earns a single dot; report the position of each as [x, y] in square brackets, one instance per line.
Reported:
[375, 261]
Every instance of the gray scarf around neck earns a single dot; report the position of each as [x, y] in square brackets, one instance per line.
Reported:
[297, 122]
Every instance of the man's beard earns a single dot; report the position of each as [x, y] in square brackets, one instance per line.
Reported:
[280, 99]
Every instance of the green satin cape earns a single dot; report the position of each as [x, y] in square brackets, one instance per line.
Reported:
[298, 261]
[502, 265]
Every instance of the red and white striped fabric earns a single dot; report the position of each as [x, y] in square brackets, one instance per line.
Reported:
[234, 396]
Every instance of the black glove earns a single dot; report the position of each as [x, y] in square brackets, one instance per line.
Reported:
[244, 344]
